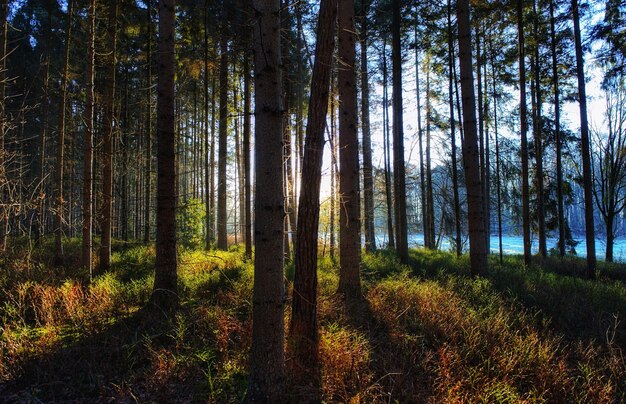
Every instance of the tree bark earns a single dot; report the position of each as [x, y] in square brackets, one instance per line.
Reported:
[349, 187]
[387, 151]
[107, 139]
[267, 372]
[148, 184]
[222, 233]
[475, 203]
[247, 129]
[430, 243]
[523, 130]
[399, 181]
[303, 333]
[585, 146]
[4, 200]
[165, 293]
[88, 143]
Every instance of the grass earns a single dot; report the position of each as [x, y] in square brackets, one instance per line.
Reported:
[425, 332]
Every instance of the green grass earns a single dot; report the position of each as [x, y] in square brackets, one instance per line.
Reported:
[423, 332]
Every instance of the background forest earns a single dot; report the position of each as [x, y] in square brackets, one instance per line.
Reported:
[333, 201]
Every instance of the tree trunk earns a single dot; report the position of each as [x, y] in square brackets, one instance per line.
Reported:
[497, 140]
[207, 168]
[247, 129]
[420, 142]
[349, 220]
[585, 146]
[107, 139]
[4, 195]
[165, 293]
[58, 238]
[523, 130]
[398, 140]
[475, 206]
[387, 151]
[88, 143]
[148, 185]
[538, 129]
[610, 238]
[303, 333]
[222, 234]
[430, 202]
[557, 134]
[455, 181]
[267, 371]
[368, 179]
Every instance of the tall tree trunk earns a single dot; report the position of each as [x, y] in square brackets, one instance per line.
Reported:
[420, 143]
[610, 238]
[267, 371]
[333, 153]
[4, 196]
[212, 215]
[496, 139]
[207, 168]
[557, 134]
[481, 133]
[387, 151]
[455, 181]
[88, 142]
[58, 238]
[247, 129]
[222, 234]
[538, 129]
[368, 179]
[430, 202]
[585, 146]
[475, 204]
[349, 187]
[487, 176]
[523, 130]
[165, 293]
[303, 333]
[107, 139]
[148, 184]
[398, 139]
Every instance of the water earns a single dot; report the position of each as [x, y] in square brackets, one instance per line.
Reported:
[515, 245]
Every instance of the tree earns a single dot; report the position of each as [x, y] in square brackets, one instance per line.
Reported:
[148, 129]
[88, 142]
[107, 142]
[399, 181]
[303, 332]
[165, 292]
[585, 147]
[349, 220]
[475, 211]
[222, 234]
[4, 210]
[267, 371]
[368, 179]
[610, 160]
[523, 129]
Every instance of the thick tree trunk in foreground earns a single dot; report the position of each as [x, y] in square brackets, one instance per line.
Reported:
[349, 213]
[88, 142]
[585, 146]
[247, 129]
[107, 140]
[165, 293]
[537, 134]
[4, 210]
[148, 182]
[303, 334]
[222, 233]
[475, 211]
[267, 371]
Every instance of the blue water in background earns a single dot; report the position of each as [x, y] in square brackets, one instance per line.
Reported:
[515, 245]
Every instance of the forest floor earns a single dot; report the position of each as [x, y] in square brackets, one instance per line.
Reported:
[426, 332]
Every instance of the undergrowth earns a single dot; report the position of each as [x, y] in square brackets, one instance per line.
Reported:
[424, 332]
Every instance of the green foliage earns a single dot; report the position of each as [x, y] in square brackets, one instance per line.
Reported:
[190, 221]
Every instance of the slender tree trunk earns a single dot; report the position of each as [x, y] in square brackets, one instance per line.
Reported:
[267, 372]
[368, 179]
[4, 199]
[487, 176]
[247, 129]
[475, 203]
[387, 152]
[148, 185]
[496, 139]
[222, 234]
[430, 202]
[303, 333]
[165, 293]
[557, 134]
[610, 238]
[207, 167]
[455, 181]
[538, 129]
[349, 187]
[333, 153]
[398, 139]
[523, 130]
[88, 143]
[421, 147]
[212, 215]
[58, 239]
[585, 146]
[107, 140]
[481, 133]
